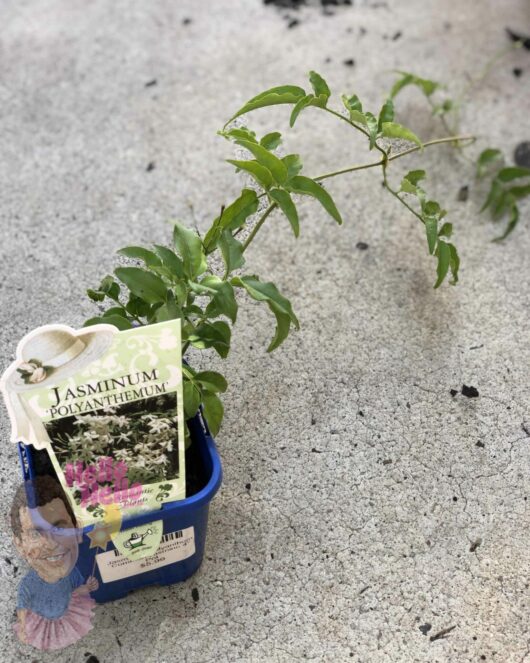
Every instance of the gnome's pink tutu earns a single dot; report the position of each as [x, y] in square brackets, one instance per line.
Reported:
[49, 634]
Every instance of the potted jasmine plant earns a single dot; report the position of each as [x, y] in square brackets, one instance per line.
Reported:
[191, 289]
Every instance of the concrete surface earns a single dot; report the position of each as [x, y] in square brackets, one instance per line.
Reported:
[369, 485]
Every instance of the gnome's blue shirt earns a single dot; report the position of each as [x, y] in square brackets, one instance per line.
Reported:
[48, 599]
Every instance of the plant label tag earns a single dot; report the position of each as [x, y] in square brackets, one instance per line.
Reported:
[174, 547]
[103, 410]
[139, 542]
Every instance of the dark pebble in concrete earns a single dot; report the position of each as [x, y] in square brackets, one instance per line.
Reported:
[349, 62]
[362, 246]
[425, 628]
[517, 36]
[517, 72]
[470, 392]
[285, 4]
[521, 156]
[463, 194]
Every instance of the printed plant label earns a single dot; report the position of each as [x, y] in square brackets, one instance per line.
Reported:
[174, 547]
[139, 542]
[106, 408]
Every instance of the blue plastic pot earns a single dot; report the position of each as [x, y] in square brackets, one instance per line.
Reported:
[178, 518]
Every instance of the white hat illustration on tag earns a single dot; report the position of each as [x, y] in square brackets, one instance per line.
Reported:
[46, 356]
[50, 354]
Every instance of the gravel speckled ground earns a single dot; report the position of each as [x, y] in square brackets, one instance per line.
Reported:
[380, 510]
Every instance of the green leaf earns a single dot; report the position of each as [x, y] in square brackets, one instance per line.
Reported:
[386, 114]
[355, 108]
[143, 284]
[494, 194]
[267, 159]
[285, 202]
[371, 124]
[190, 248]
[95, 295]
[262, 175]
[519, 192]
[116, 320]
[265, 291]
[115, 310]
[431, 208]
[307, 186]
[232, 251]
[443, 253]
[431, 229]
[299, 107]
[415, 176]
[170, 260]
[514, 218]
[107, 288]
[454, 263]
[283, 94]
[232, 217]
[213, 412]
[319, 85]
[394, 130]
[352, 103]
[170, 310]
[426, 86]
[446, 230]
[238, 212]
[192, 398]
[486, 158]
[443, 108]
[512, 173]
[223, 302]
[137, 307]
[271, 141]
[140, 253]
[293, 164]
[240, 132]
[212, 335]
[503, 203]
[278, 304]
[211, 381]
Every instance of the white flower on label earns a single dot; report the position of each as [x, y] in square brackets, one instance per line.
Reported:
[38, 375]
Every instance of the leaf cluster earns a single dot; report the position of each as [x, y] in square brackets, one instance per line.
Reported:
[437, 233]
[508, 185]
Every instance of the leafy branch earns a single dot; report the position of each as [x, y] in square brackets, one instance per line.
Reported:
[503, 195]
[185, 281]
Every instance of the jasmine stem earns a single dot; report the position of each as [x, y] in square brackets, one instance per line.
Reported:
[373, 164]
[396, 195]
[258, 225]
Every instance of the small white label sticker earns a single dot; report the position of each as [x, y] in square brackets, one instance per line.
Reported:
[174, 547]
